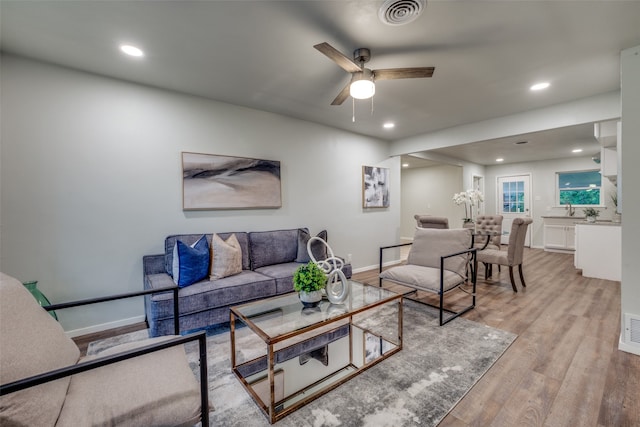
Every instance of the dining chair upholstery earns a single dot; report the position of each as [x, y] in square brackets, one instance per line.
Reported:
[514, 254]
[489, 223]
[438, 262]
[430, 221]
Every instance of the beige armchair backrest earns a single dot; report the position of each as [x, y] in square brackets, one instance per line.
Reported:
[430, 244]
[31, 343]
[430, 221]
[490, 223]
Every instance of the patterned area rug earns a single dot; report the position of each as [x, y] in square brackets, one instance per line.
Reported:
[417, 386]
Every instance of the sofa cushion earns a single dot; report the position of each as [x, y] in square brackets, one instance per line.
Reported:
[170, 241]
[31, 342]
[283, 273]
[273, 247]
[226, 257]
[319, 249]
[190, 262]
[154, 389]
[205, 295]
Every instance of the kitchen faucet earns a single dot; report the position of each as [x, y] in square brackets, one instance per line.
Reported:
[571, 209]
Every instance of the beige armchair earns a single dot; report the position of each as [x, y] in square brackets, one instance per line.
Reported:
[514, 254]
[437, 263]
[44, 383]
[489, 223]
[429, 221]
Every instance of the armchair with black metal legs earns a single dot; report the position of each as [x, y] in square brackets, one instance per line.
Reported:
[44, 382]
[514, 254]
[438, 262]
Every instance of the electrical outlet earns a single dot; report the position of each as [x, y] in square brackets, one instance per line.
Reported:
[349, 258]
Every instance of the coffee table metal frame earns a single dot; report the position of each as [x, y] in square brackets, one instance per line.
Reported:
[275, 410]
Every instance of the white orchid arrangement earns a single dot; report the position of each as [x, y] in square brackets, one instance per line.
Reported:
[469, 198]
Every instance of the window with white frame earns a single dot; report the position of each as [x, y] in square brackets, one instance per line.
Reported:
[579, 188]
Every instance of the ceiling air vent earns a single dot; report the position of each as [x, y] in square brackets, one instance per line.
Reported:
[400, 12]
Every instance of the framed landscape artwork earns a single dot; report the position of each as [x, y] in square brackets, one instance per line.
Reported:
[223, 182]
[375, 187]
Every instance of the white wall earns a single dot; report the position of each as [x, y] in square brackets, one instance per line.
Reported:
[630, 295]
[543, 194]
[429, 191]
[91, 181]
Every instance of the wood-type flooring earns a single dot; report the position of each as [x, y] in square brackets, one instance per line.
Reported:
[564, 369]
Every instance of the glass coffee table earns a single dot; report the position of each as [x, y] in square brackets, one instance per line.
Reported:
[288, 355]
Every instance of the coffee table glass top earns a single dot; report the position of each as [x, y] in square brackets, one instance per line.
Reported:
[281, 316]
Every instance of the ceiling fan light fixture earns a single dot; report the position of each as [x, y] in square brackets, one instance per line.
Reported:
[362, 86]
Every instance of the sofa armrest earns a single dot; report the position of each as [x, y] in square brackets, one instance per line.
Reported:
[153, 264]
[56, 374]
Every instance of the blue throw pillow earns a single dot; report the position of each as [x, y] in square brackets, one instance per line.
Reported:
[190, 263]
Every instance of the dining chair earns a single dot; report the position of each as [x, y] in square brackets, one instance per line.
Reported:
[489, 223]
[513, 256]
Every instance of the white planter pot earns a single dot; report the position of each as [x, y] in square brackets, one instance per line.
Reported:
[591, 219]
[310, 299]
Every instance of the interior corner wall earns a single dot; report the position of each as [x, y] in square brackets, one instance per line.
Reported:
[429, 191]
[630, 153]
[91, 181]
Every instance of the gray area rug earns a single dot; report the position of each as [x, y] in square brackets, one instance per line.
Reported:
[417, 386]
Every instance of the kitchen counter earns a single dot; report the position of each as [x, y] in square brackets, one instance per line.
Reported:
[562, 217]
[603, 222]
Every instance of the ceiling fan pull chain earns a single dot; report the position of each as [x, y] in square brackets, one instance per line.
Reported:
[353, 114]
[372, 105]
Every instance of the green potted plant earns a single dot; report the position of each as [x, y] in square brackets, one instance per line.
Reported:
[308, 281]
[591, 214]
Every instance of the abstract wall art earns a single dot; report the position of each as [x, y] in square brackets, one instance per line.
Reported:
[224, 182]
[375, 187]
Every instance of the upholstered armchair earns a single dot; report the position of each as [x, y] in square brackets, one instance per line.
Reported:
[514, 254]
[438, 262]
[429, 221]
[43, 382]
[489, 223]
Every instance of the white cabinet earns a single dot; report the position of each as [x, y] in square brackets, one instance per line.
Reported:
[559, 234]
[599, 250]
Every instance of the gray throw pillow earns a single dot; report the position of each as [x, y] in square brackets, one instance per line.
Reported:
[319, 250]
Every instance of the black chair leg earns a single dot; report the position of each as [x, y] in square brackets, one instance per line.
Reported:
[521, 276]
[513, 282]
[487, 269]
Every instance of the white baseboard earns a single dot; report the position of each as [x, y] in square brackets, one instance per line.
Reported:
[104, 326]
[376, 266]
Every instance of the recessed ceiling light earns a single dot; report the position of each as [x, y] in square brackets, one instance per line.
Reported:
[577, 150]
[131, 50]
[540, 86]
[405, 165]
[389, 125]
[499, 159]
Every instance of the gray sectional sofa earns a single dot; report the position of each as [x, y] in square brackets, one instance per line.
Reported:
[269, 259]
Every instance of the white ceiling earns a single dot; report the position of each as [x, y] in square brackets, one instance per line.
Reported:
[260, 54]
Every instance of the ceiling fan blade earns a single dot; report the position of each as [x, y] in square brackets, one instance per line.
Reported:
[403, 73]
[337, 57]
[342, 96]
